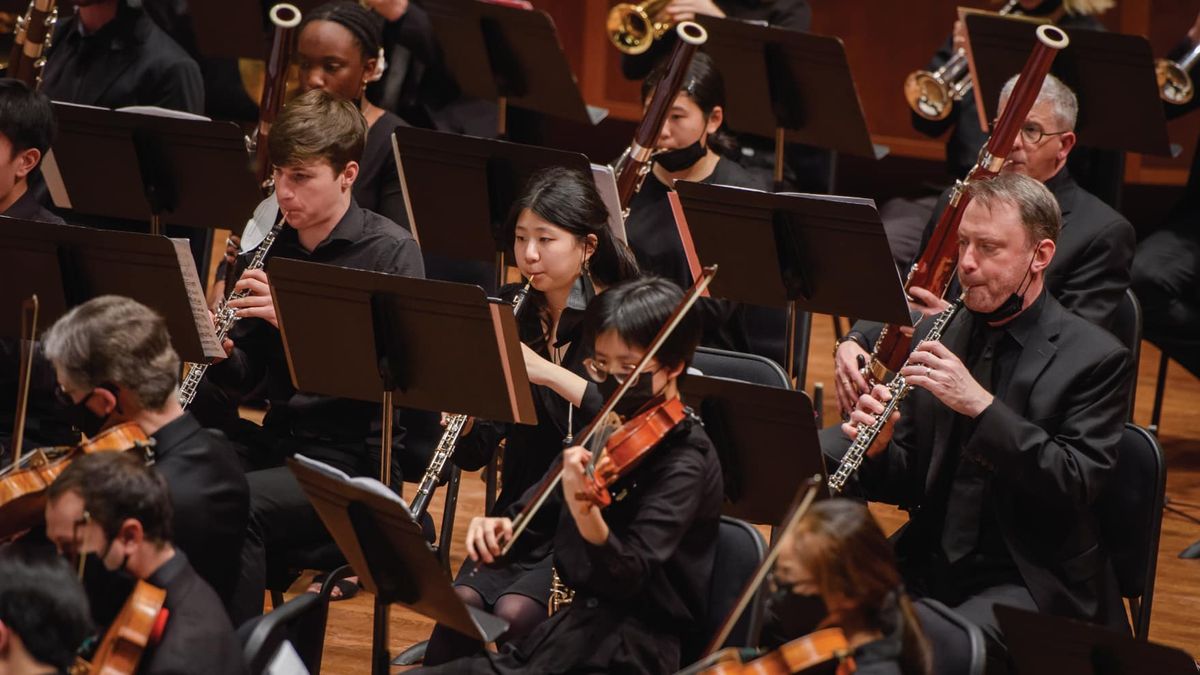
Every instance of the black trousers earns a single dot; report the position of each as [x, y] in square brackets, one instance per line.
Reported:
[1166, 269]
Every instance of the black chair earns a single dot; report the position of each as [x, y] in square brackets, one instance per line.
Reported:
[956, 644]
[300, 621]
[1127, 326]
[740, 550]
[738, 366]
[1130, 515]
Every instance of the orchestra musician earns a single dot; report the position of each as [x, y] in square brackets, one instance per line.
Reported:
[561, 242]
[1009, 434]
[115, 363]
[1093, 255]
[641, 567]
[837, 557]
[109, 53]
[44, 616]
[27, 128]
[1166, 267]
[315, 147]
[113, 506]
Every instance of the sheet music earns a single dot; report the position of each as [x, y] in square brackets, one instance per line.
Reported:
[195, 293]
[606, 183]
[371, 485]
[286, 661]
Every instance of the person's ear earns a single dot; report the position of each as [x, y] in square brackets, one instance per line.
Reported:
[349, 175]
[102, 402]
[1066, 143]
[1042, 256]
[715, 119]
[26, 161]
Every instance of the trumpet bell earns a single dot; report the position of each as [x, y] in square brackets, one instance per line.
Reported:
[1174, 84]
[928, 95]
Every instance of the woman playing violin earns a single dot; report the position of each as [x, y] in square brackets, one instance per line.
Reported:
[838, 559]
[561, 242]
[641, 567]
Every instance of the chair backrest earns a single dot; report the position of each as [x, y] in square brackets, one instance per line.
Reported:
[740, 550]
[738, 366]
[293, 621]
[1127, 326]
[1130, 516]
[956, 644]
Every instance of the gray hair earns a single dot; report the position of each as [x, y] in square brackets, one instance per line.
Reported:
[1062, 100]
[1088, 6]
[1037, 206]
[118, 341]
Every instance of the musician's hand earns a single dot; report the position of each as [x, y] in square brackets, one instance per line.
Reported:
[536, 365]
[926, 302]
[933, 367]
[258, 304]
[686, 10]
[470, 423]
[850, 380]
[574, 485]
[486, 537]
[867, 412]
[960, 35]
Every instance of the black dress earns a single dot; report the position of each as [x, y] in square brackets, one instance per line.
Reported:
[378, 186]
[641, 594]
[529, 450]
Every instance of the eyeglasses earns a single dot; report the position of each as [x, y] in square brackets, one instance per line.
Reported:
[1034, 133]
[599, 372]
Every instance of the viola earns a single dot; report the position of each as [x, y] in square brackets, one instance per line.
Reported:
[23, 488]
[629, 445]
[139, 625]
[797, 656]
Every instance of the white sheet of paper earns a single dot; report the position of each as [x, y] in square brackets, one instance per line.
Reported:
[606, 183]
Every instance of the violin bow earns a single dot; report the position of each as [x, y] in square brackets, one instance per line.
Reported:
[29, 319]
[800, 505]
[552, 480]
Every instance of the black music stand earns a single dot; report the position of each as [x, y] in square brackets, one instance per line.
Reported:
[767, 439]
[386, 548]
[511, 56]
[789, 86]
[1039, 644]
[812, 253]
[66, 266]
[1112, 74]
[408, 342]
[460, 189]
[138, 166]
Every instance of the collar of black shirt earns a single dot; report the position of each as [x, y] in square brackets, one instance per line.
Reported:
[1026, 322]
[125, 27]
[167, 572]
[349, 229]
[172, 433]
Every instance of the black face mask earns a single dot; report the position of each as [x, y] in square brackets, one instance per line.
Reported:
[795, 613]
[1011, 306]
[82, 418]
[638, 395]
[681, 158]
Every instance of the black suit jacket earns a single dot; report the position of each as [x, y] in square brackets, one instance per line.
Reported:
[210, 498]
[198, 637]
[1050, 446]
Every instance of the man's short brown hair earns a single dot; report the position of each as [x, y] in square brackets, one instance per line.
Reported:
[318, 126]
[1037, 206]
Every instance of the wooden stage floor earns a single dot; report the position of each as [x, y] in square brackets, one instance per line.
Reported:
[1177, 594]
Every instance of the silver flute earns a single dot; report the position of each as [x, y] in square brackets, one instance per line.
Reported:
[449, 440]
[226, 316]
[899, 388]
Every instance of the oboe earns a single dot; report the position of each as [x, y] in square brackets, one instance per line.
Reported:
[446, 444]
[898, 388]
[226, 316]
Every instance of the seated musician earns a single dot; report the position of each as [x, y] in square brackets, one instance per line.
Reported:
[115, 507]
[315, 146]
[26, 130]
[1094, 252]
[838, 558]
[1009, 433]
[561, 242]
[109, 53]
[44, 615]
[641, 567]
[115, 363]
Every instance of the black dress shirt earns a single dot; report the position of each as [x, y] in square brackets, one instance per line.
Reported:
[129, 61]
[210, 498]
[349, 429]
[198, 637]
[378, 185]
[27, 207]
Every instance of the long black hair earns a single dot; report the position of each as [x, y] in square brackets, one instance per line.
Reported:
[705, 86]
[568, 199]
[636, 310]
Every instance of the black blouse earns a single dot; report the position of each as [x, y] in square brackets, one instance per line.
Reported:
[378, 185]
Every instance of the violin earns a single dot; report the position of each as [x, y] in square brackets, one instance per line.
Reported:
[797, 656]
[139, 625]
[23, 485]
[628, 446]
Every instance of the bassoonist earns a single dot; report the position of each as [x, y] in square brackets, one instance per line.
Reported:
[934, 269]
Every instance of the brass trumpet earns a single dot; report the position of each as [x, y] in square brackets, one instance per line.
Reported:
[1174, 84]
[932, 94]
[632, 28]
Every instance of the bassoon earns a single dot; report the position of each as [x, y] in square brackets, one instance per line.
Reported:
[934, 269]
[30, 42]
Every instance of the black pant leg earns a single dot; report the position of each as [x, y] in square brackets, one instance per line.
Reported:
[1166, 269]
